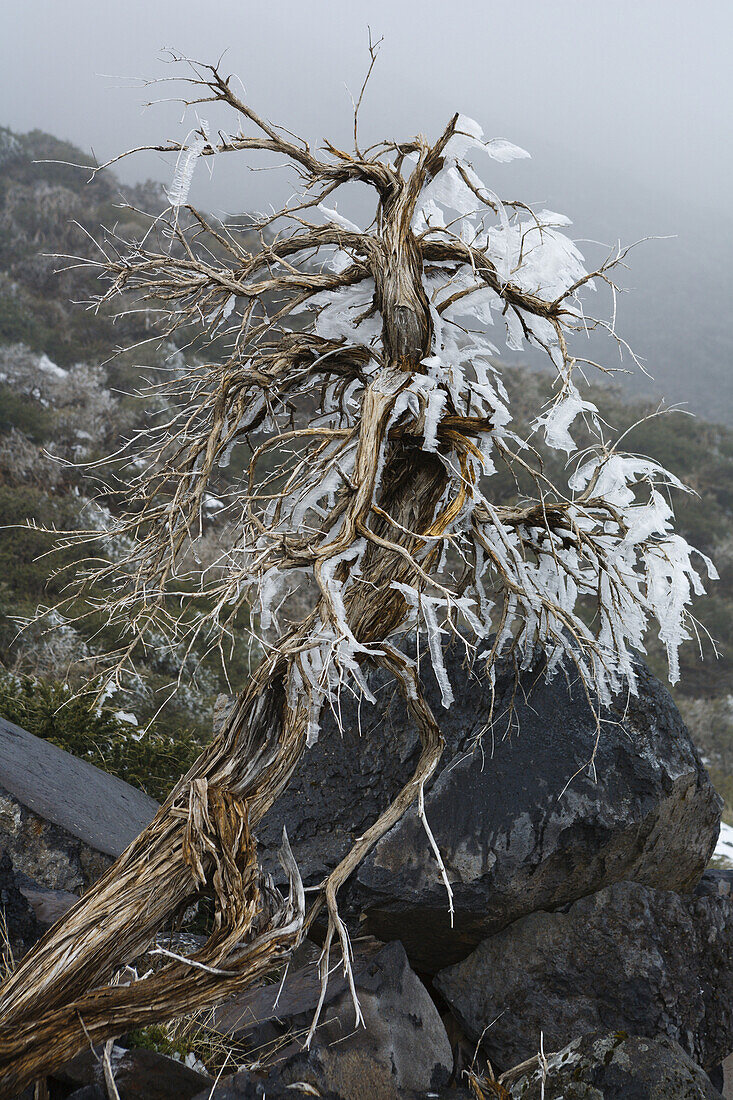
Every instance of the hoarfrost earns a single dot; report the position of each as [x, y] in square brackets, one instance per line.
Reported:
[126, 716]
[527, 573]
[557, 422]
[338, 219]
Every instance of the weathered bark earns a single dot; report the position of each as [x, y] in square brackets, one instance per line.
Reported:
[55, 1000]
[383, 524]
[218, 823]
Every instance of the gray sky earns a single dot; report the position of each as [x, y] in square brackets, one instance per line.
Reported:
[643, 86]
[625, 105]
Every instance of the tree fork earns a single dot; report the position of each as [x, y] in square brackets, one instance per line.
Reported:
[53, 1000]
[389, 472]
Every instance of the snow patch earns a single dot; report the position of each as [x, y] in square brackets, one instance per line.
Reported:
[49, 367]
[126, 716]
[724, 847]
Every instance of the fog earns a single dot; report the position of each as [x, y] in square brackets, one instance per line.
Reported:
[625, 107]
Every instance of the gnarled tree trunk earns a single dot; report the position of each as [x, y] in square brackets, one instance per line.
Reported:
[382, 480]
[55, 1002]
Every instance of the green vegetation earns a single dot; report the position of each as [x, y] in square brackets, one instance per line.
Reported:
[158, 1038]
[60, 397]
[147, 758]
[188, 1040]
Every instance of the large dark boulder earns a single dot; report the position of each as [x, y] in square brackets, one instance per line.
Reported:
[402, 1046]
[523, 822]
[630, 958]
[715, 883]
[617, 1067]
[62, 820]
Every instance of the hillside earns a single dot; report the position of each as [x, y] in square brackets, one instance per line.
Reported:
[64, 401]
[62, 393]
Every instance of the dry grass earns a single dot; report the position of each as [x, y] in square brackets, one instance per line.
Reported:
[7, 958]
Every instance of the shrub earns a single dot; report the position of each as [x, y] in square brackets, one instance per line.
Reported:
[146, 758]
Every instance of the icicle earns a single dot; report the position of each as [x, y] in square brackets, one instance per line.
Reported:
[183, 176]
[337, 219]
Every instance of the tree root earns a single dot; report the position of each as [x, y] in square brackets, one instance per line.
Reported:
[254, 929]
[199, 839]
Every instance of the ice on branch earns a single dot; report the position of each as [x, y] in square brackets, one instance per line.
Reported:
[427, 613]
[338, 219]
[378, 482]
[364, 386]
[556, 423]
[183, 176]
[468, 138]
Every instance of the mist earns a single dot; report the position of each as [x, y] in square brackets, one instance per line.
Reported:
[625, 108]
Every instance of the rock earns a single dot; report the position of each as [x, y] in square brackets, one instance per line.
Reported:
[403, 1045]
[715, 884]
[717, 1077]
[62, 820]
[29, 1094]
[249, 1086]
[522, 823]
[47, 905]
[617, 1067]
[139, 1075]
[21, 925]
[358, 1072]
[726, 1078]
[246, 1086]
[630, 958]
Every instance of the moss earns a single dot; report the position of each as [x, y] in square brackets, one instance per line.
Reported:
[156, 1037]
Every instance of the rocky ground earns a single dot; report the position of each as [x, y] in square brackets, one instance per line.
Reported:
[590, 954]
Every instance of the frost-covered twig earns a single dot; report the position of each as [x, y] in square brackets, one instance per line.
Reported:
[363, 401]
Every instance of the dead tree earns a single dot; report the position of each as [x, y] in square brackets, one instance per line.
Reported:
[362, 357]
